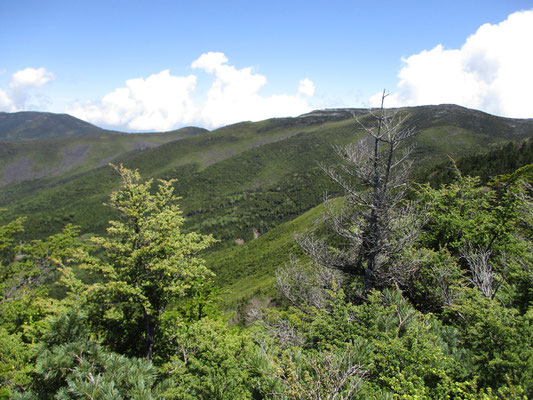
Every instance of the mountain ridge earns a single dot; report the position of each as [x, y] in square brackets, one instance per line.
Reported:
[35, 158]
[37, 125]
[241, 177]
[28, 125]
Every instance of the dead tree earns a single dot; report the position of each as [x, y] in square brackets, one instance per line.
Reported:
[375, 220]
[307, 287]
[481, 269]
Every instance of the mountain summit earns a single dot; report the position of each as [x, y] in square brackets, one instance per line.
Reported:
[28, 125]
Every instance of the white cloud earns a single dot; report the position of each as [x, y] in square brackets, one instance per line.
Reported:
[23, 87]
[6, 104]
[31, 77]
[210, 61]
[164, 101]
[159, 102]
[234, 95]
[492, 71]
[306, 87]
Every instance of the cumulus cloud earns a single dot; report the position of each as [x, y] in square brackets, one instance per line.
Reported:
[164, 101]
[234, 95]
[306, 87]
[490, 72]
[210, 61]
[31, 77]
[23, 87]
[159, 102]
[6, 104]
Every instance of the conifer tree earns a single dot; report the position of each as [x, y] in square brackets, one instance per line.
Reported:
[148, 263]
[71, 365]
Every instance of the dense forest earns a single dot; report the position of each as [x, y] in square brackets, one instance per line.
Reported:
[409, 286]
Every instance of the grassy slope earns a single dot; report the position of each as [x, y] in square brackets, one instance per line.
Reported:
[247, 271]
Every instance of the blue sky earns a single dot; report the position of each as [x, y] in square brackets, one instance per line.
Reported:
[159, 65]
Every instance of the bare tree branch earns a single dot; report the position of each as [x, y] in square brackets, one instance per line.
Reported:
[376, 219]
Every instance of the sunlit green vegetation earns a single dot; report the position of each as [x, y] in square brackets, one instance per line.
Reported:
[143, 303]
[449, 332]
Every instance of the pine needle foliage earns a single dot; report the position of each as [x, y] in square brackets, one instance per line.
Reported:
[71, 365]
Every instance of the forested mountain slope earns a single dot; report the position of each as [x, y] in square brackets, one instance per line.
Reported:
[248, 271]
[237, 179]
[31, 159]
[28, 125]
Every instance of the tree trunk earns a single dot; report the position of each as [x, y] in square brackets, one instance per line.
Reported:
[149, 335]
[370, 250]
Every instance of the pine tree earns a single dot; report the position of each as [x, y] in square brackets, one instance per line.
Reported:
[72, 365]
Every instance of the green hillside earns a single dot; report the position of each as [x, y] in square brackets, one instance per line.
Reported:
[446, 315]
[32, 159]
[30, 125]
[487, 165]
[248, 271]
[241, 178]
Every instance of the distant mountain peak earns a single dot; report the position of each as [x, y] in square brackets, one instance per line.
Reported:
[31, 125]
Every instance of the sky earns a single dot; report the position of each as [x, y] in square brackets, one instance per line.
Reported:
[160, 65]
